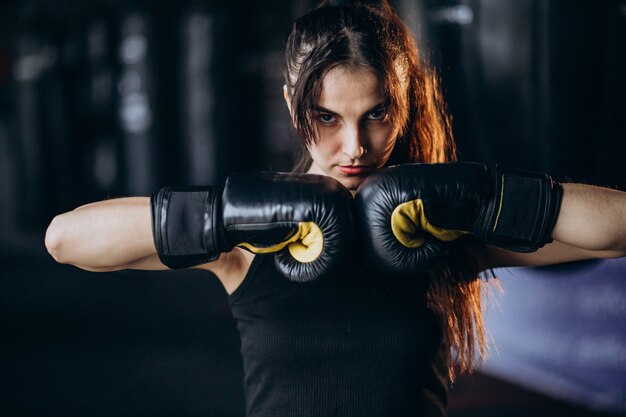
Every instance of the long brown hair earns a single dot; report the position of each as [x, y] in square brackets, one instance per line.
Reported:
[371, 35]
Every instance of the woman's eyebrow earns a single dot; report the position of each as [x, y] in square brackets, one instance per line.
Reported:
[321, 109]
[379, 106]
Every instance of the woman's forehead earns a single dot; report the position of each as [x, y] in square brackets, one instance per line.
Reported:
[343, 87]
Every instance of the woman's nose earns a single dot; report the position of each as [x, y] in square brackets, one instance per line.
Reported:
[352, 145]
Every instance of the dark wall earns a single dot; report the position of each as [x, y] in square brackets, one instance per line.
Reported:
[536, 84]
[115, 98]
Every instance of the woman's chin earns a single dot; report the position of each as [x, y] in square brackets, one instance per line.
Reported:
[351, 182]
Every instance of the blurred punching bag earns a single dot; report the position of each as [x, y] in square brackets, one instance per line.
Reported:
[198, 139]
[34, 58]
[96, 139]
[136, 106]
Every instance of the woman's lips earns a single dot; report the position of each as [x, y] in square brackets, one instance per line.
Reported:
[355, 169]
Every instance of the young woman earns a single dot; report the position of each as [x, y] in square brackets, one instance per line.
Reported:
[360, 342]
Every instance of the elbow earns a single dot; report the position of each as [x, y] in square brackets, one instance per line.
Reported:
[55, 238]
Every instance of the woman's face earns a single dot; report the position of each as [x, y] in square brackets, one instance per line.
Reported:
[355, 134]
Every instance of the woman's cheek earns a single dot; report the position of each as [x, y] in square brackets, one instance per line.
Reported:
[327, 150]
[385, 150]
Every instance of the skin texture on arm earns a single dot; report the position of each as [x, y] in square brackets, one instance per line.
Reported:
[591, 225]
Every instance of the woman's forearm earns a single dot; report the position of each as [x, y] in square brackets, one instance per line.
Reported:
[592, 218]
[107, 235]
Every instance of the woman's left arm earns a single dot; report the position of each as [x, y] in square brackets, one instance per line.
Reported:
[591, 224]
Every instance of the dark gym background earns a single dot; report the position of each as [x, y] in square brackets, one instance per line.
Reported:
[101, 99]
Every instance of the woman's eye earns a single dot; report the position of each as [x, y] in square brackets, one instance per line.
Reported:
[376, 115]
[326, 118]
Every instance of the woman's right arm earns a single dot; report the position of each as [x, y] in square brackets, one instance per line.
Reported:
[105, 236]
[116, 234]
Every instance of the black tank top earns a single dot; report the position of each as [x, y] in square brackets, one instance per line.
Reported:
[354, 345]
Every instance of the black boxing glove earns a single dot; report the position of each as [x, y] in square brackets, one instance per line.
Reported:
[306, 220]
[403, 207]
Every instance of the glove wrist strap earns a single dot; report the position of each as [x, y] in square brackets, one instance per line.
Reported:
[186, 225]
[524, 210]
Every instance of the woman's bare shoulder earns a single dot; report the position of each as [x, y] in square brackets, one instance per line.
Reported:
[231, 268]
